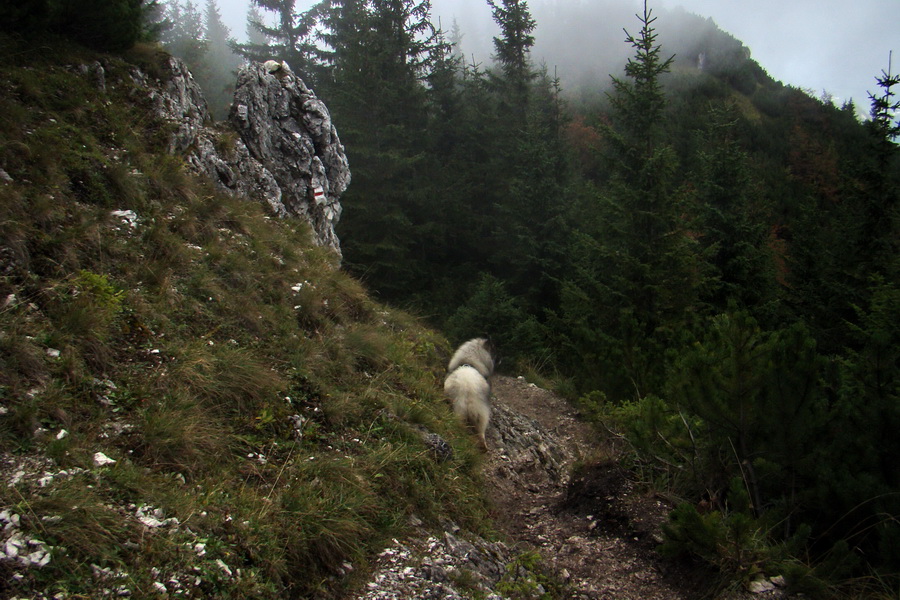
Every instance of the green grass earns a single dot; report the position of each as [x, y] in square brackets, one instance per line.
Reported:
[183, 347]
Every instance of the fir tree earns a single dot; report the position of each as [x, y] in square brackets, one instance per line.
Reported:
[290, 39]
[185, 36]
[218, 79]
[513, 49]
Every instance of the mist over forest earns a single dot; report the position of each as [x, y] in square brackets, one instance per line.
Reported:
[581, 42]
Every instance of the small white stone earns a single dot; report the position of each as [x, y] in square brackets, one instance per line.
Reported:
[761, 586]
[101, 460]
[16, 478]
[11, 548]
[39, 558]
[128, 216]
[223, 566]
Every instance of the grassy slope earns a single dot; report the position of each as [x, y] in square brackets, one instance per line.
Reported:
[187, 341]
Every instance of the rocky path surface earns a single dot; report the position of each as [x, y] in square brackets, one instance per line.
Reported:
[554, 493]
[590, 524]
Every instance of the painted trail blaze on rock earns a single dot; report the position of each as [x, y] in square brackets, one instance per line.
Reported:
[319, 195]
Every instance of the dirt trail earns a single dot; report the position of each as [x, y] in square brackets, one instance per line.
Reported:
[597, 531]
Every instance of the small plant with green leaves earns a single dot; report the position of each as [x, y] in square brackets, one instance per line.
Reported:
[527, 579]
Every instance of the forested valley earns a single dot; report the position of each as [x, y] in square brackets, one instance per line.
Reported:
[701, 257]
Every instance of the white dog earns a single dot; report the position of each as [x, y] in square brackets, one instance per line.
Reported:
[468, 384]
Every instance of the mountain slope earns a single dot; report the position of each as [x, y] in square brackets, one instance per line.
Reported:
[195, 400]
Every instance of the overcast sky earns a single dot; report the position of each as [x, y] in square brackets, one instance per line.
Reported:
[838, 46]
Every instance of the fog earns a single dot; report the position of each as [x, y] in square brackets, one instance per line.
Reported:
[834, 46]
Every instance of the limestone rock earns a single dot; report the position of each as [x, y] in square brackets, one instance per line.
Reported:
[178, 99]
[279, 147]
[288, 130]
[532, 454]
[96, 73]
[433, 567]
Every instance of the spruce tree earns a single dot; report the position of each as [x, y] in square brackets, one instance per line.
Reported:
[257, 41]
[841, 251]
[642, 201]
[733, 216]
[290, 39]
[529, 233]
[218, 80]
[513, 51]
[633, 275]
[107, 25]
[526, 196]
[639, 100]
[381, 54]
[185, 36]
[885, 107]
[27, 17]
[879, 234]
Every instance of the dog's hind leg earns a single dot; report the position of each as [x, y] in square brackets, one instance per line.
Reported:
[481, 427]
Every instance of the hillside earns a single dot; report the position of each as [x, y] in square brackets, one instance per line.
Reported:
[195, 400]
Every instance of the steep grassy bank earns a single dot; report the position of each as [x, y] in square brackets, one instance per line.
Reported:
[263, 413]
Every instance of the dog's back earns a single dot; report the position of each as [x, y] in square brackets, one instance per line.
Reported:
[475, 353]
[468, 386]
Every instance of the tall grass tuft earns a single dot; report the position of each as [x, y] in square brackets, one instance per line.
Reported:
[177, 435]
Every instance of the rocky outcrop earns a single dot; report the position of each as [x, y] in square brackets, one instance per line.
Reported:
[288, 130]
[279, 147]
[177, 99]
